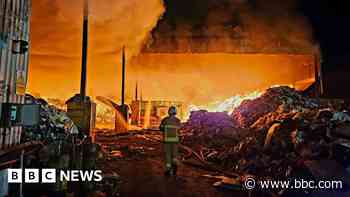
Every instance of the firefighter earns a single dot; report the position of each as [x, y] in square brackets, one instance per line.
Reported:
[170, 126]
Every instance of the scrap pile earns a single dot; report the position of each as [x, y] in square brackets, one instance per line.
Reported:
[204, 123]
[210, 128]
[53, 124]
[278, 99]
[271, 136]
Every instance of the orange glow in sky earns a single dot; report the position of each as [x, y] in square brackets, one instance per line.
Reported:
[194, 78]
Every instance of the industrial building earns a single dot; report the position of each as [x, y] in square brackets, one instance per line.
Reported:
[249, 60]
[14, 58]
[248, 82]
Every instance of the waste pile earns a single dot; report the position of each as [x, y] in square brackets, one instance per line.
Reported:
[61, 150]
[207, 123]
[53, 124]
[282, 98]
[271, 136]
[212, 128]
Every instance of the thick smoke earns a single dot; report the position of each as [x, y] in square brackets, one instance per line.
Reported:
[194, 47]
[277, 24]
[233, 26]
[56, 31]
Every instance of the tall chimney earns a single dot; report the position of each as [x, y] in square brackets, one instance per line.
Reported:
[84, 51]
[123, 76]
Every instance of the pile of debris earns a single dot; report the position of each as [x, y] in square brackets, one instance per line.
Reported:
[211, 128]
[277, 133]
[282, 99]
[207, 123]
[54, 123]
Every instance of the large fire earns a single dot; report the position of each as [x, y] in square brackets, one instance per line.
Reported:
[228, 104]
[232, 48]
[55, 52]
[106, 114]
[202, 78]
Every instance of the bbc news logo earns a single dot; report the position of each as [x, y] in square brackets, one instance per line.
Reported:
[52, 175]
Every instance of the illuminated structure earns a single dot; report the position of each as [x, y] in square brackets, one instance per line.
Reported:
[148, 114]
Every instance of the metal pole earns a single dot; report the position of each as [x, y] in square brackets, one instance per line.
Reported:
[140, 108]
[123, 76]
[84, 51]
[21, 185]
[317, 76]
[136, 93]
[321, 73]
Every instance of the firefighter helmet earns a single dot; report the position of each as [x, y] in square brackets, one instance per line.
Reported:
[172, 111]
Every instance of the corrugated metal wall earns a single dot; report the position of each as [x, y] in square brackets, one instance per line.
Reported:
[15, 25]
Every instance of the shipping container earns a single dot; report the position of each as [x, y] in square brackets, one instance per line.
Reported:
[14, 59]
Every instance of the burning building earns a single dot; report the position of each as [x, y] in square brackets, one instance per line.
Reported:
[212, 50]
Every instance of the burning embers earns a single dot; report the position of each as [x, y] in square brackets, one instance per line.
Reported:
[227, 105]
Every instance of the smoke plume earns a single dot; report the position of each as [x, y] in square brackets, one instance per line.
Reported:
[232, 26]
[56, 36]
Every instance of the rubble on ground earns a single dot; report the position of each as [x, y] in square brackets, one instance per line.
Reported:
[53, 124]
[271, 136]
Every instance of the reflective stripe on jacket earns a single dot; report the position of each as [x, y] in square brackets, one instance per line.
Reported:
[171, 133]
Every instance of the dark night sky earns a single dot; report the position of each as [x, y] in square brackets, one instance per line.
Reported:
[330, 23]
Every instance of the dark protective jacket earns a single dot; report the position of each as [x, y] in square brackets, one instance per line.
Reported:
[170, 127]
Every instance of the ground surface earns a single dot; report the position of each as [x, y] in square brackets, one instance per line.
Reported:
[142, 172]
